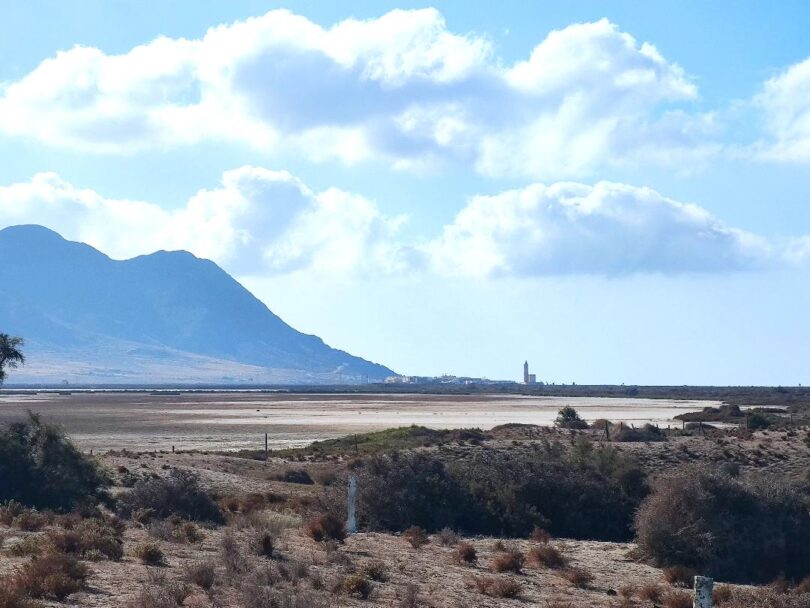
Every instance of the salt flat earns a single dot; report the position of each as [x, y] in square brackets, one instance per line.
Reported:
[235, 420]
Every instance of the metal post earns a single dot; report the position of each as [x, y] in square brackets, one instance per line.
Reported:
[351, 520]
[703, 592]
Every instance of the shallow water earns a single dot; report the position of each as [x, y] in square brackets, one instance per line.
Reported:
[225, 421]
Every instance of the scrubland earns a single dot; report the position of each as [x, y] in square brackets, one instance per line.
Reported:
[518, 515]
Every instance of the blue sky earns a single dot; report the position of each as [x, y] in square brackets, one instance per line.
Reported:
[616, 191]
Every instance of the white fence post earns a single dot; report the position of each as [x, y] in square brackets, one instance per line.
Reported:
[351, 522]
[703, 592]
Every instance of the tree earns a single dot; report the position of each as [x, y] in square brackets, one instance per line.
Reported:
[10, 354]
[568, 418]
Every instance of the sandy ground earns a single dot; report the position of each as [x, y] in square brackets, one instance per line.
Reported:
[227, 421]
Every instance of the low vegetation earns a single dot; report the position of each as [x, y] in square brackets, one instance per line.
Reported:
[588, 493]
[179, 494]
[40, 467]
[729, 528]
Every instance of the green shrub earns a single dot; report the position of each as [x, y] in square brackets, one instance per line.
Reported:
[149, 554]
[568, 418]
[40, 467]
[590, 493]
[727, 528]
[178, 494]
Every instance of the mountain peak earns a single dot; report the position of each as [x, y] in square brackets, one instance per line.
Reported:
[69, 298]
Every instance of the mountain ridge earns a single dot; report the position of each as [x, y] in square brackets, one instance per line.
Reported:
[69, 299]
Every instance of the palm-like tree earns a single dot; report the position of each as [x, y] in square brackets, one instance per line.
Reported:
[10, 354]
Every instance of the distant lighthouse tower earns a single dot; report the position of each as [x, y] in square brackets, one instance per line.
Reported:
[527, 377]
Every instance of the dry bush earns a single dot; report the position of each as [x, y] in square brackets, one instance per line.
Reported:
[295, 476]
[203, 574]
[680, 576]
[416, 536]
[27, 547]
[803, 586]
[578, 577]
[447, 537]
[325, 527]
[627, 590]
[721, 595]
[149, 554]
[676, 599]
[650, 592]
[179, 494]
[408, 597]
[356, 585]
[375, 570]
[53, 575]
[466, 554]
[262, 543]
[694, 504]
[12, 596]
[231, 555]
[547, 556]
[497, 586]
[767, 598]
[511, 561]
[160, 592]
[31, 520]
[539, 535]
[89, 539]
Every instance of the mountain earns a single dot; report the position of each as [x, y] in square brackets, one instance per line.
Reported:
[159, 318]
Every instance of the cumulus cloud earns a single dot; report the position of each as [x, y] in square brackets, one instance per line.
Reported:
[261, 222]
[258, 222]
[785, 103]
[608, 228]
[402, 88]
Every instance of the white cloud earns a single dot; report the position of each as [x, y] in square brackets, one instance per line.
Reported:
[261, 222]
[258, 222]
[608, 228]
[785, 102]
[402, 88]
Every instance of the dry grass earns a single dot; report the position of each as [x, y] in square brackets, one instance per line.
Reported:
[356, 585]
[202, 574]
[375, 570]
[539, 535]
[650, 592]
[325, 527]
[416, 536]
[53, 575]
[578, 577]
[13, 597]
[465, 554]
[547, 556]
[497, 586]
[676, 599]
[679, 576]
[511, 561]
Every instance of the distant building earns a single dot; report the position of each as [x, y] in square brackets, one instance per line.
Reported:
[527, 377]
[532, 379]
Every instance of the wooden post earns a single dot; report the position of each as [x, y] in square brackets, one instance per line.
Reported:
[607, 430]
[265, 447]
[172, 449]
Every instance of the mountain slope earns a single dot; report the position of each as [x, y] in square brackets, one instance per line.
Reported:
[75, 304]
